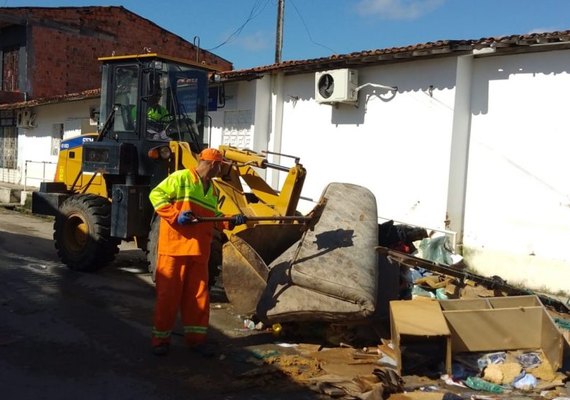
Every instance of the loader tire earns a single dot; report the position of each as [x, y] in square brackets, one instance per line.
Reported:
[82, 233]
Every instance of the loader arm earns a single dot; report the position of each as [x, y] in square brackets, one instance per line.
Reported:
[283, 201]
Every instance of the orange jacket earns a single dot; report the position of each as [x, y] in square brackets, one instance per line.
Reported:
[182, 191]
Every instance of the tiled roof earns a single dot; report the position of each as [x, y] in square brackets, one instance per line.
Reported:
[86, 94]
[441, 48]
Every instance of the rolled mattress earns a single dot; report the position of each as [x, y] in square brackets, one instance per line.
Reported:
[330, 274]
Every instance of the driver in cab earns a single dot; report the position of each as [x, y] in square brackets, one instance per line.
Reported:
[157, 118]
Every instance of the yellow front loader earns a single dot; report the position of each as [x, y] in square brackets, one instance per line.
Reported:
[277, 266]
[100, 193]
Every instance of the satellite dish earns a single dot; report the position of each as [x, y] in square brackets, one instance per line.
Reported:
[326, 85]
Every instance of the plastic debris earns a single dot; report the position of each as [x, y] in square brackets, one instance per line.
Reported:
[525, 382]
[263, 354]
[440, 294]
[287, 344]
[387, 361]
[251, 325]
[418, 291]
[562, 323]
[481, 384]
[248, 324]
[450, 381]
[491, 358]
[437, 249]
[530, 360]
[458, 371]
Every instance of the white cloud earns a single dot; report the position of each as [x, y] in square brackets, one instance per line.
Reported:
[398, 9]
[257, 41]
[543, 30]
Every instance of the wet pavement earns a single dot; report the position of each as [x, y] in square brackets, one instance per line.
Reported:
[70, 335]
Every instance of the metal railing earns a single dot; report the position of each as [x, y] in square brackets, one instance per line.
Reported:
[37, 171]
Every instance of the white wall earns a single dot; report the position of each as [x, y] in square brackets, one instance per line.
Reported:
[518, 192]
[476, 145]
[233, 124]
[36, 160]
[245, 120]
[397, 146]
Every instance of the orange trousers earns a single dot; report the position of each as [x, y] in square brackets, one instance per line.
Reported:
[181, 284]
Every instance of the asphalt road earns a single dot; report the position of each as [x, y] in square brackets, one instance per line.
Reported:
[70, 335]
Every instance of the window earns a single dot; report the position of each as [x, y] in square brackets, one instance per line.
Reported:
[125, 97]
[8, 140]
[10, 72]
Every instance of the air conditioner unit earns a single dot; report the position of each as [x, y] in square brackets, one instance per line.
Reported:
[25, 119]
[336, 86]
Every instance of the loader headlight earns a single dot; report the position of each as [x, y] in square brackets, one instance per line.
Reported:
[163, 152]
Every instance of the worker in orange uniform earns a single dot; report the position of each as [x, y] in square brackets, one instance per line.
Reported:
[184, 249]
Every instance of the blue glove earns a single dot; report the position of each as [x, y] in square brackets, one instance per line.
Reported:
[238, 219]
[186, 217]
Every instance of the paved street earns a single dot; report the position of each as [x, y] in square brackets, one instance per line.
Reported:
[69, 335]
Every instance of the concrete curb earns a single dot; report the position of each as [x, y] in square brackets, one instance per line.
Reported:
[15, 196]
[10, 195]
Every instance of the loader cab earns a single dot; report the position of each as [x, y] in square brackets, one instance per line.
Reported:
[149, 99]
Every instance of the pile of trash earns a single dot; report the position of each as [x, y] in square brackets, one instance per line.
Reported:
[429, 272]
[502, 372]
[367, 374]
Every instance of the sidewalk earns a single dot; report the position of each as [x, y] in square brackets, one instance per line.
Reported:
[13, 194]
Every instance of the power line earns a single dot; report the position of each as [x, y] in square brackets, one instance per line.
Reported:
[254, 13]
[307, 29]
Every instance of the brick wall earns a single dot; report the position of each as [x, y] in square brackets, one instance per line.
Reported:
[66, 42]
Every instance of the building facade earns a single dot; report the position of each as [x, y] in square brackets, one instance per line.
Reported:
[464, 138]
[49, 55]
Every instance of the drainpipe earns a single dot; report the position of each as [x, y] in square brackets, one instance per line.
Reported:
[459, 159]
[277, 100]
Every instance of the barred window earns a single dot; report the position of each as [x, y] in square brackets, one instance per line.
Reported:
[8, 140]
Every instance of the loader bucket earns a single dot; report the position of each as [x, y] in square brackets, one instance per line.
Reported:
[271, 240]
[244, 274]
[245, 259]
[331, 273]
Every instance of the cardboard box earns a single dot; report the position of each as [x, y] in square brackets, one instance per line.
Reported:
[477, 325]
[503, 323]
[413, 320]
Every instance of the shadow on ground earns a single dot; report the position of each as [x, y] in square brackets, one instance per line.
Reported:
[65, 334]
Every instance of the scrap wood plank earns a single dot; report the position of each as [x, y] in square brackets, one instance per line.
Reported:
[489, 283]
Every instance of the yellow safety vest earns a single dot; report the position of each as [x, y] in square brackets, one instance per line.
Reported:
[181, 191]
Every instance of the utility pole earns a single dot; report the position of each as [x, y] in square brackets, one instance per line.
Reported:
[279, 35]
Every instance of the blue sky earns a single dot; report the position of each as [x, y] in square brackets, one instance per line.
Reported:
[243, 31]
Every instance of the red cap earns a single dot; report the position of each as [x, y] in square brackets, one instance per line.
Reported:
[211, 155]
